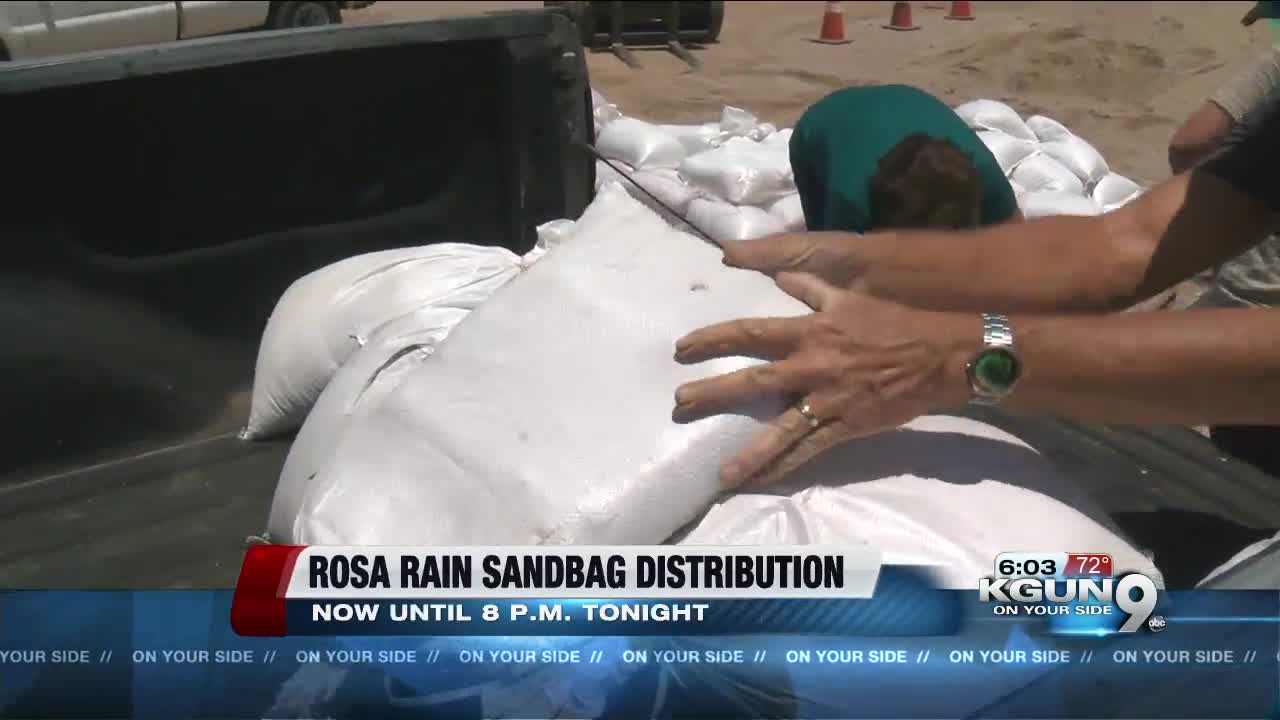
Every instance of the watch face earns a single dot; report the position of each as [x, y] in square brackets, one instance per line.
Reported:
[996, 370]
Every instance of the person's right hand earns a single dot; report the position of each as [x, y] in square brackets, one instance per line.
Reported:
[828, 255]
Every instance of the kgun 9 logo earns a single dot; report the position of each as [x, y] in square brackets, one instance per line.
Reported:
[1117, 591]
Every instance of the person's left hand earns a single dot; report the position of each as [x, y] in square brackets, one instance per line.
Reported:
[856, 367]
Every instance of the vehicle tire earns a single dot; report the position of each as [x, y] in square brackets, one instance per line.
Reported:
[303, 13]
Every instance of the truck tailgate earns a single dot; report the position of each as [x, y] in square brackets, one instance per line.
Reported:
[160, 201]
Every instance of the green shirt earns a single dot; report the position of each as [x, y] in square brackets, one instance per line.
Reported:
[1267, 10]
[837, 145]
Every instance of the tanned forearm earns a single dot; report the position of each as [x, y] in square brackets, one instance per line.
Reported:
[1204, 367]
[1067, 264]
[1050, 264]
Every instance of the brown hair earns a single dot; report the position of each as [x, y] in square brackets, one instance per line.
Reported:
[926, 183]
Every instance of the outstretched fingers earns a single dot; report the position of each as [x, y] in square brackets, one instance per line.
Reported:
[725, 393]
[761, 338]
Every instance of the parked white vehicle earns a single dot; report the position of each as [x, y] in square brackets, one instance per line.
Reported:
[61, 27]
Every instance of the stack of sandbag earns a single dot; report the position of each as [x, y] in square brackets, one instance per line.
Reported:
[730, 178]
[546, 419]
[1052, 170]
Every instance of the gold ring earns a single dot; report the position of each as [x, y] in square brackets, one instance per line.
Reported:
[807, 412]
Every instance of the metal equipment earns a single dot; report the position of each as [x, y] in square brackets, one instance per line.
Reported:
[620, 26]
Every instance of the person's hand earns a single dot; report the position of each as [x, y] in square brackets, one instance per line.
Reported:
[829, 255]
[856, 367]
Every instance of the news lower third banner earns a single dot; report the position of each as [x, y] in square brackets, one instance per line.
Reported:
[632, 590]
[844, 638]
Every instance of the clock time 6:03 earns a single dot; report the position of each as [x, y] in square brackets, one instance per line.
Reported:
[1052, 565]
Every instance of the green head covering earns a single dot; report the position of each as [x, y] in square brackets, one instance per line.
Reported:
[837, 145]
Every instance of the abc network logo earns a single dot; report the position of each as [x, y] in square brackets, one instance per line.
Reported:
[1134, 594]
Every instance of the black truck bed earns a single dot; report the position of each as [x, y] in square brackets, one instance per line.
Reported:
[192, 183]
[159, 201]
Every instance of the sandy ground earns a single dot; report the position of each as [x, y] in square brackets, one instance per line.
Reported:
[1122, 75]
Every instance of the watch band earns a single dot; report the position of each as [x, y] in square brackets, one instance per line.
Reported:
[996, 331]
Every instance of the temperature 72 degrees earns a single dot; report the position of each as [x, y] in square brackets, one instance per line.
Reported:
[1088, 565]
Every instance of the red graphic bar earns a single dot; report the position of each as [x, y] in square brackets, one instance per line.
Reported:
[258, 607]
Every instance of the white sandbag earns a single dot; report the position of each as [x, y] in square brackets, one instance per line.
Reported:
[723, 221]
[704, 137]
[555, 232]
[665, 185]
[1079, 157]
[640, 144]
[1042, 173]
[325, 316]
[550, 234]
[606, 174]
[1248, 553]
[546, 416]
[1115, 190]
[1009, 150]
[611, 201]
[762, 132]
[790, 212]
[1043, 203]
[603, 111]
[741, 172]
[781, 137]
[696, 138]
[737, 122]
[1018, 190]
[924, 495]
[1047, 129]
[368, 375]
[994, 115]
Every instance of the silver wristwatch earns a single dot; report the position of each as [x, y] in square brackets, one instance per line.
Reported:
[995, 369]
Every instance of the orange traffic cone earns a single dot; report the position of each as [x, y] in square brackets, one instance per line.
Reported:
[901, 17]
[832, 32]
[961, 10]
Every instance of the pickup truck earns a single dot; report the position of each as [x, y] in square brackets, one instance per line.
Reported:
[161, 199]
[59, 27]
